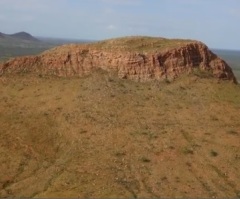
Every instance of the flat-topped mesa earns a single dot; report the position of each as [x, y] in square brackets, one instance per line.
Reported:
[136, 58]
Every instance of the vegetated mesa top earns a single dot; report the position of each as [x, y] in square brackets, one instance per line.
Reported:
[137, 58]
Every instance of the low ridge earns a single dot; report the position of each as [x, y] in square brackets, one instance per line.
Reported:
[24, 36]
[137, 58]
[19, 36]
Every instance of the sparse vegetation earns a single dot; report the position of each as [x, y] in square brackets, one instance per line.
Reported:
[188, 150]
[202, 73]
[140, 44]
[120, 153]
[213, 153]
[145, 159]
[232, 132]
[103, 137]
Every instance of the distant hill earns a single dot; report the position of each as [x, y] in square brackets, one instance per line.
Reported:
[19, 44]
[20, 36]
[24, 36]
[21, 39]
[23, 43]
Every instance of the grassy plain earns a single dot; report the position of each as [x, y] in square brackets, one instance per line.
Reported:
[100, 136]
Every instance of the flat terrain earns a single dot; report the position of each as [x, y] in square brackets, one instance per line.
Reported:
[100, 136]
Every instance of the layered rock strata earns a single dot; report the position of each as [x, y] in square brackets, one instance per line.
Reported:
[141, 64]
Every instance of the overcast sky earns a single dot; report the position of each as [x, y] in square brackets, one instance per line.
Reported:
[215, 22]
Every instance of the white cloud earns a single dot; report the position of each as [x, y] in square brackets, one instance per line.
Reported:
[111, 27]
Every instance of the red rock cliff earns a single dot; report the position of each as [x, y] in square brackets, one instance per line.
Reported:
[156, 59]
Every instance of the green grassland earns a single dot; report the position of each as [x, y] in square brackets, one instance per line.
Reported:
[101, 137]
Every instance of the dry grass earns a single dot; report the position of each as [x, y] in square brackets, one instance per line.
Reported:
[137, 44]
[102, 137]
[140, 44]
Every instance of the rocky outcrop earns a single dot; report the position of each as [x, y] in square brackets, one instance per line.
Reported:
[140, 65]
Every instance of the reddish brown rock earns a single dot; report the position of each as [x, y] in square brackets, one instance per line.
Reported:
[143, 62]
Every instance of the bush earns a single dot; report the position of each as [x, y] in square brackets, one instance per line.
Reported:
[202, 73]
[213, 153]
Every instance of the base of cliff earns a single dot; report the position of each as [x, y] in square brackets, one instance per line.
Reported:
[103, 137]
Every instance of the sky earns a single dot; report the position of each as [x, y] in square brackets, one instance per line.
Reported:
[214, 22]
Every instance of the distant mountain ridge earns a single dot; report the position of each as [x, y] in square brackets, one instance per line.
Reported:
[23, 43]
[20, 44]
[19, 35]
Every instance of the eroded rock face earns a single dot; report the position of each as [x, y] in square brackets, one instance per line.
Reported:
[79, 60]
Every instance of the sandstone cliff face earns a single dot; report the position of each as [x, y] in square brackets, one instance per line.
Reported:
[79, 60]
